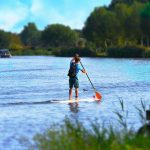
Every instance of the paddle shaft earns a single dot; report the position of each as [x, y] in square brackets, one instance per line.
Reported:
[88, 77]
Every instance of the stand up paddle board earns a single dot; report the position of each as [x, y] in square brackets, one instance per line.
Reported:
[50, 102]
[75, 100]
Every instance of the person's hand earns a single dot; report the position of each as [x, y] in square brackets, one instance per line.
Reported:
[84, 71]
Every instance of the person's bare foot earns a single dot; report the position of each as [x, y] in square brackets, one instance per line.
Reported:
[70, 101]
[76, 99]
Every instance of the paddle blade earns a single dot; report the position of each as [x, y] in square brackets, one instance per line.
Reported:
[98, 96]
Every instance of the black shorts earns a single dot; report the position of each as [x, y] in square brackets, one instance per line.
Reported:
[73, 82]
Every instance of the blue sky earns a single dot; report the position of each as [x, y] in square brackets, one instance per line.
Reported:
[14, 14]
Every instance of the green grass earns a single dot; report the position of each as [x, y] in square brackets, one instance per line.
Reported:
[73, 135]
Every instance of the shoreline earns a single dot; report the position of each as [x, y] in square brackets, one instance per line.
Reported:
[114, 52]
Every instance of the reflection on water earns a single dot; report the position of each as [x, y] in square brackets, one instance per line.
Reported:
[74, 105]
[31, 89]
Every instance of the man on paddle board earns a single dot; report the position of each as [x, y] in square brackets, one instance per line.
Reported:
[73, 75]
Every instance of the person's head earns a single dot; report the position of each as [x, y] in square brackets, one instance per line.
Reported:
[77, 58]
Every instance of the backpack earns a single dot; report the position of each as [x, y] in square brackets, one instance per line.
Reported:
[72, 70]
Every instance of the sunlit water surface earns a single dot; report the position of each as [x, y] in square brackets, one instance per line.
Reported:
[27, 83]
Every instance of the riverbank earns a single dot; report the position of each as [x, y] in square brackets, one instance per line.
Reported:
[114, 52]
[30, 52]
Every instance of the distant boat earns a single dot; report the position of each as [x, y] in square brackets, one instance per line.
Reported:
[4, 53]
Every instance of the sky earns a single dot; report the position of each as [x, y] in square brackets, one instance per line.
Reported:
[15, 14]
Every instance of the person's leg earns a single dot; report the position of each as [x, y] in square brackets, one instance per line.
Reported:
[76, 92]
[70, 93]
[70, 88]
[76, 85]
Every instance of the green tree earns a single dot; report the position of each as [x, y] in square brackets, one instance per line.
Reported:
[15, 42]
[30, 35]
[145, 22]
[81, 43]
[58, 35]
[101, 27]
[133, 32]
[4, 39]
[122, 12]
[129, 19]
[128, 2]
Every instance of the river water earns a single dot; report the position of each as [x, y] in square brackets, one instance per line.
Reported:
[28, 84]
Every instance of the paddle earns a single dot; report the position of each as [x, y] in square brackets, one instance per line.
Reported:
[97, 94]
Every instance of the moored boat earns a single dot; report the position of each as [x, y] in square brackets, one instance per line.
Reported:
[4, 53]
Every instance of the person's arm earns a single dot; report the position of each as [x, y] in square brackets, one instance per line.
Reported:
[83, 70]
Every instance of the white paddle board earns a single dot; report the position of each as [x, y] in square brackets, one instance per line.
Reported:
[51, 101]
[74, 100]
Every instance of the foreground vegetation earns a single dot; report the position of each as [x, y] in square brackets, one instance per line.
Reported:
[74, 135]
[121, 25]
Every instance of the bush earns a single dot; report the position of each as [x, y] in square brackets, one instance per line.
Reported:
[29, 52]
[73, 135]
[126, 52]
[147, 53]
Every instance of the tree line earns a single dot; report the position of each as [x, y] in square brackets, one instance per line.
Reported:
[30, 38]
[124, 22]
[109, 30]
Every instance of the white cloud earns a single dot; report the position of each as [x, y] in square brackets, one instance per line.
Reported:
[75, 20]
[14, 14]
[48, 14]
[68, 12]
[36, 7]
[9, 17]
